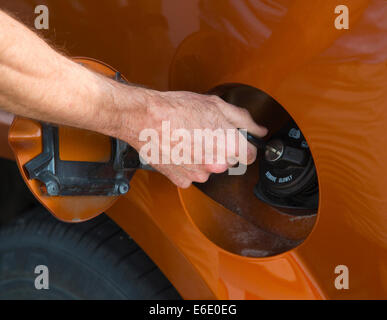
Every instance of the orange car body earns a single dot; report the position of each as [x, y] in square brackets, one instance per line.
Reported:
[332, 82]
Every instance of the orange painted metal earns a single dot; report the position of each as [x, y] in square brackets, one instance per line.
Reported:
[332, 82]
[25, 139]
[163, 220]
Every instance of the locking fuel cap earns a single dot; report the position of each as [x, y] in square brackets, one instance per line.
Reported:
[288, 177]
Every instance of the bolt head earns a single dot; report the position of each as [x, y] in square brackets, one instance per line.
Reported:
[123, 188]
[52, 188]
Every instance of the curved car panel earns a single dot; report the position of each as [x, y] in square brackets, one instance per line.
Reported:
[332, 82]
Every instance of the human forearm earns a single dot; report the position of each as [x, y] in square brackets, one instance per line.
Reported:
[39, 83]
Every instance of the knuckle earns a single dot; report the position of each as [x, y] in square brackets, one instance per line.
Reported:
[245, 113]
[179, 181]
[232, 161]
[215, 99]
[202, 177]
[218, 168]
[184, 183]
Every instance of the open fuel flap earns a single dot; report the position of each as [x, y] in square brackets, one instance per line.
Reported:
[76, 174]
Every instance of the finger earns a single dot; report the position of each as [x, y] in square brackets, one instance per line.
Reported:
[177, 178]
[216, 168]
[251, 153]
[247, 152]
[238, 149]
[200, 176]
[181, 182]
[242, 118]
[185, 184]
[232, 162]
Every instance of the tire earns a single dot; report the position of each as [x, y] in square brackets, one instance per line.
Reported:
[90, 260]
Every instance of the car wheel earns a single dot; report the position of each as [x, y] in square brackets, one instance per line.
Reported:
[90, 260]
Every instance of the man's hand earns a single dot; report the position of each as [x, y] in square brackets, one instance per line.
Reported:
[190, 111]
[38, 82]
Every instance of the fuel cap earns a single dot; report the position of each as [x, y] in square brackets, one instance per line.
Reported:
[288, 177]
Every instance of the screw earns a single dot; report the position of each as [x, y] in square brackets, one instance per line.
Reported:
[123, 188]
[52, 188]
